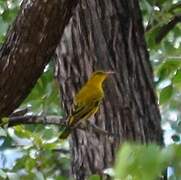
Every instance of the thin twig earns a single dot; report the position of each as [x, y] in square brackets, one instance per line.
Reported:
[63, 151]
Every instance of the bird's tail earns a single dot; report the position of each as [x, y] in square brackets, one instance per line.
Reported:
[65, 133]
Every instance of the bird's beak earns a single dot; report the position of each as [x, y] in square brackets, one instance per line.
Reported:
[110, 72]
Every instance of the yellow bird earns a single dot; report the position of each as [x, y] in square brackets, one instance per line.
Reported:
[86, 101]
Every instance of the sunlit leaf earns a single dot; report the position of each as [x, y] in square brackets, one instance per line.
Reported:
[9, 14]
[3, 132]
[94, 177]
[167, 67]
[139, 161]
[3, 175]
[30, 164]
[22, 132]
[166, 94]
[177, 77]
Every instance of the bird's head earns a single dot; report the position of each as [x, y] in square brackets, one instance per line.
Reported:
[99, 76]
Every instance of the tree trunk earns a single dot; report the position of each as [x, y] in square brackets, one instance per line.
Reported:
[29, 45]
[109, 35]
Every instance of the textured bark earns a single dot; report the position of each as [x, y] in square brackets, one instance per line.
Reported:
[109, 35]
[30, 43]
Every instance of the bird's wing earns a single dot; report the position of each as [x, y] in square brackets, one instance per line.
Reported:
[83, 111]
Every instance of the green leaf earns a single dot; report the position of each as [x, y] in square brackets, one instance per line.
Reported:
[22, 132]
[95, 177]
[177, 77]
[9, 14]
[166, 94]
[150, 37]
[3, 174]
[135, 161]
[5, 121]
[39, 175]
[49, 146]
[48, 133]
[37, 140]
[61, 178]
[167, 68]
[3, 132]
[30, 164]
[174, 154]
[13, 176]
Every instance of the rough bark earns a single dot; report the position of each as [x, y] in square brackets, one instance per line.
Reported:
[109, 35]
[30, 42]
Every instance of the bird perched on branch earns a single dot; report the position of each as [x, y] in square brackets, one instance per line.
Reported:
[86, 101]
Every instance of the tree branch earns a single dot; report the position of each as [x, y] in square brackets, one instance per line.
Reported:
[34, 119]
[167, 27]
[29, 45]
[63, 151]
[20, 112]
[56, 120]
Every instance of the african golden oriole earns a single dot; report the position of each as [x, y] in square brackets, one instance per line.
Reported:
[86, 101]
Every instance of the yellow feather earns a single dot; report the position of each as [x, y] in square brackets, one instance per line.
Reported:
[86, 101]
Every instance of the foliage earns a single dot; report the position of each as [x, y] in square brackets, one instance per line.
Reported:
[44, 98]
[145, 162]
[166, 61]
[37, 154]
[139, 162]
[8, 11]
